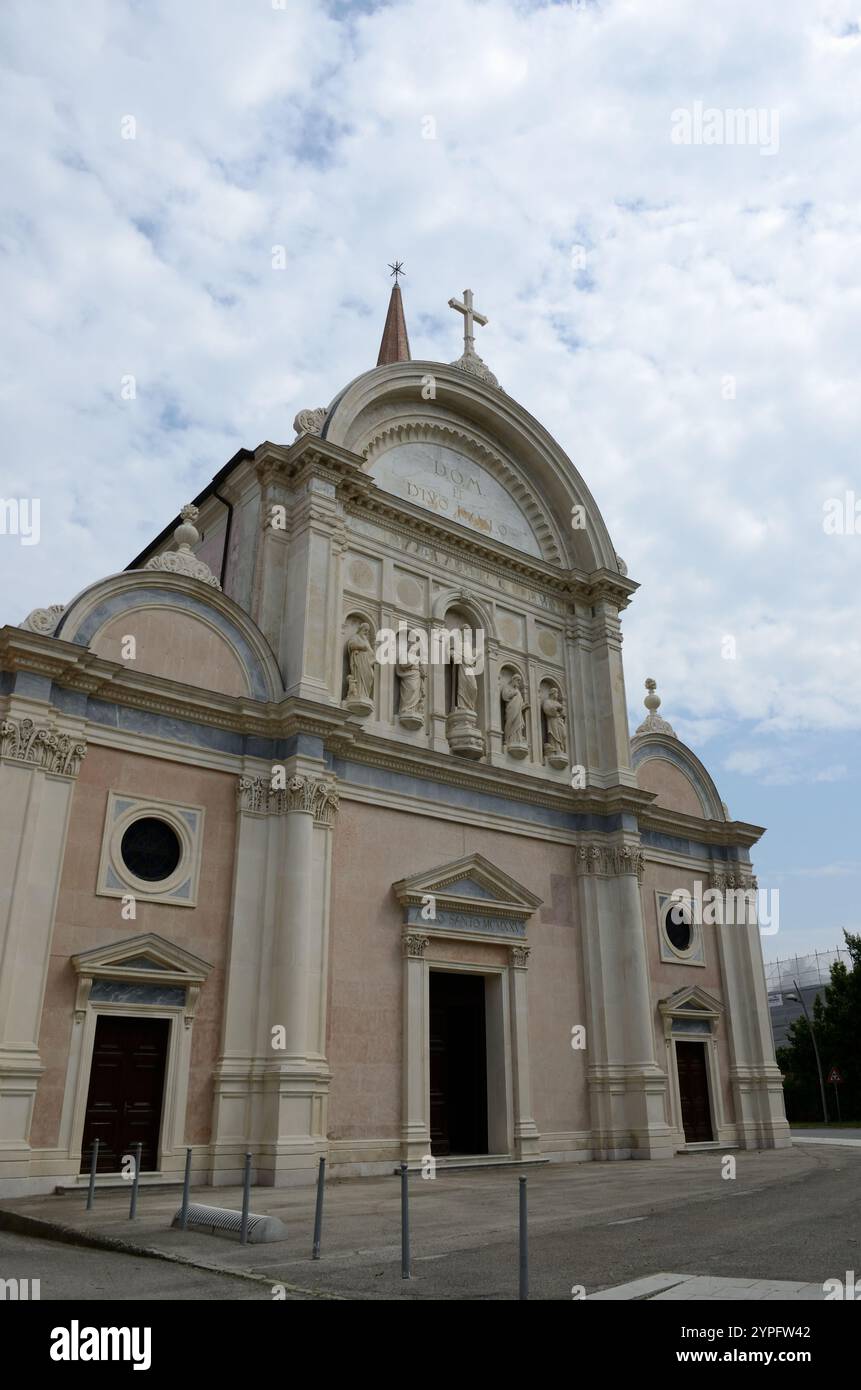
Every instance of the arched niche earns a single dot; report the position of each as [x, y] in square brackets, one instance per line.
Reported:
[555, 734]
[465, 683]
[359, 671]
[412, 687]
[512, 692]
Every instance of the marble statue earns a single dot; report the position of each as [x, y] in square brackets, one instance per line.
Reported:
[514, 701]
[411, 709]
[360, 655]
[553, 709]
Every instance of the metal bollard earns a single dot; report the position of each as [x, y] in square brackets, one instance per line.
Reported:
[318, 1210]
[186, 1185]
[524, 1247]
[246, 1201]
[94, 1163]
[133, 1205]
[405, 1223]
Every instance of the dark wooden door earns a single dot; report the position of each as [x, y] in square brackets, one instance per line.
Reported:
[126, 1089]
[694, 1091]
[458, 1064]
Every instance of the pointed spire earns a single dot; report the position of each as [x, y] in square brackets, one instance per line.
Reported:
[395, 346]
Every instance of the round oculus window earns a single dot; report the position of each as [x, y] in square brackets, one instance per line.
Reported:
[151, 849]
[677, 925]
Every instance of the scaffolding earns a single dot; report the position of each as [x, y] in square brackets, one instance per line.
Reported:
[811, 971]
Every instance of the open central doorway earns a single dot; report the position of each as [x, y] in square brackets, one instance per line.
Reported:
[458, 1063]
[694, 1092]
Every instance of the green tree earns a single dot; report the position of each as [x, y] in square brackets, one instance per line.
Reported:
[837, 1020]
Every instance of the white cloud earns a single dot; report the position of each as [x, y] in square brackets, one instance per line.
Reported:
[302, 127]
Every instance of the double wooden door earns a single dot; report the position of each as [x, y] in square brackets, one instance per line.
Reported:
[124, 1102]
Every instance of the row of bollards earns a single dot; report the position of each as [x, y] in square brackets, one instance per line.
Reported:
[186, 1193]
[406, 1262]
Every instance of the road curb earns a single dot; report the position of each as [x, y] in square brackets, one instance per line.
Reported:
[19, 1224]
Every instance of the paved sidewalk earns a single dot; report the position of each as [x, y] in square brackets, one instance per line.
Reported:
[689, 1287]
[850, 1137]
[790, 1214]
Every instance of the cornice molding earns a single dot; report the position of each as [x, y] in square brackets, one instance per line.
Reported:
[361, 496]
[680, 825]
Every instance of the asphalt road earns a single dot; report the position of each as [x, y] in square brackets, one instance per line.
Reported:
[73, 1272]
[790, 1217]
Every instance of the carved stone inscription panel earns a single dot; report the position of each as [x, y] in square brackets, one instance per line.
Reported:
[443, 481]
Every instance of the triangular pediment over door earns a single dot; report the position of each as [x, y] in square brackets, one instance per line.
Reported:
[468, 897]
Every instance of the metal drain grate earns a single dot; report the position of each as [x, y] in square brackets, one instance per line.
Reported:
[221, 1221]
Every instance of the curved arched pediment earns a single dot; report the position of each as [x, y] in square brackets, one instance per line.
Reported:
[679, 780]
[450, 472]
[183, 631]
[408, 417]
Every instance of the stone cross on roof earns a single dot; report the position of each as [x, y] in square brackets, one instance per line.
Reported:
[470, 316]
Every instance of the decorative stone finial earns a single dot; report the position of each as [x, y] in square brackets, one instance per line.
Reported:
[44, 620]
[310, 421]
[653, 723]
[182, 560]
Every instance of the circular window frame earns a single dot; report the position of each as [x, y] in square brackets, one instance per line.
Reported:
[692, 949]
[148, 887]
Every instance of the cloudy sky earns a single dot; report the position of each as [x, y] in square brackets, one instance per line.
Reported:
[674, 295]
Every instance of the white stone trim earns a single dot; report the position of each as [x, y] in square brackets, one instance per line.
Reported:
[116, 880]
[670, 954]
[175, 1095]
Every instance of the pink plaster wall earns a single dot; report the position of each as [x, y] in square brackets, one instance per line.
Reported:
[85, 920]
[376, 846]
[670, 785]
[176, 645]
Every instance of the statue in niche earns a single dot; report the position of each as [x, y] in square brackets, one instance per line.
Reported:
[553, 709]
[466, 690]
[360, 681]
[411, 707]
[514, 702]
[461, 726]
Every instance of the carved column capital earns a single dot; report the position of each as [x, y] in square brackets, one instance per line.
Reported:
[312, 795]
[41, 745]
[414, 945]
[610, 860]
[519, 957]
[740, 878]
[252, 794]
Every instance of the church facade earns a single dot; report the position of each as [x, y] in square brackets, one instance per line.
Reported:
[324, 833]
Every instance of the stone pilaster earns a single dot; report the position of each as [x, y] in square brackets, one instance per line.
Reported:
[39, 761]
[415, 1111]
[273, 1078]
[526, 1136]
[598, 732]
[627, 1087]
[757, 1084]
